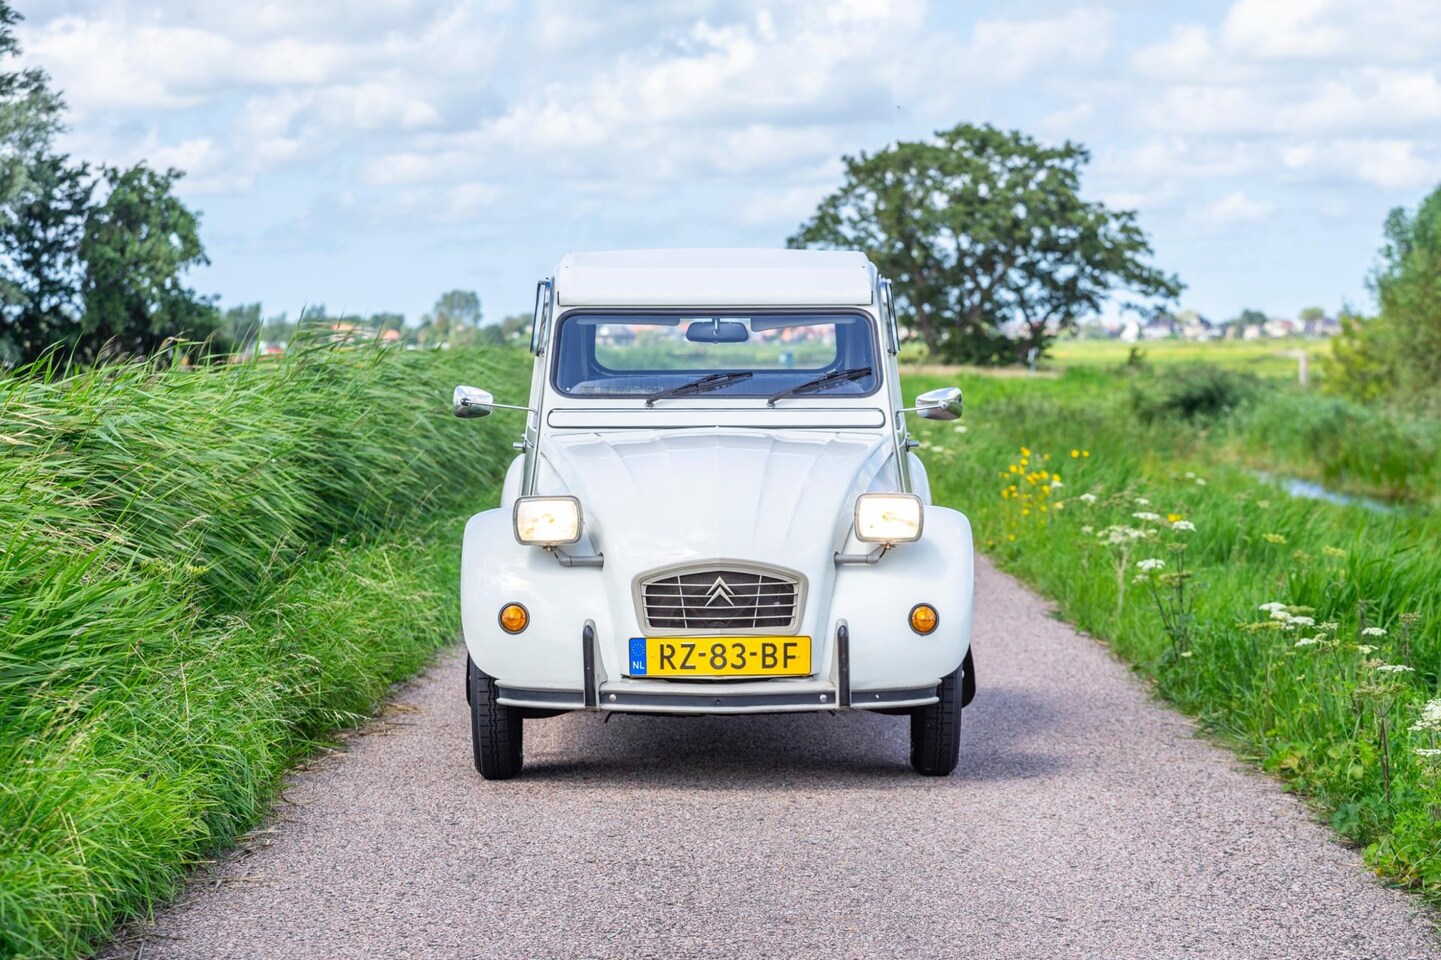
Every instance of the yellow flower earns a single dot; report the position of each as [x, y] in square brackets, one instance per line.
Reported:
[1011, 536]
[1173, 517]
[1075, 454]
[1085, 453]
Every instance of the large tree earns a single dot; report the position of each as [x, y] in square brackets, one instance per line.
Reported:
[991, 248]
[137, 247]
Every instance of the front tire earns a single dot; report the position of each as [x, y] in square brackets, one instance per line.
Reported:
[936, 731]
[496, 731]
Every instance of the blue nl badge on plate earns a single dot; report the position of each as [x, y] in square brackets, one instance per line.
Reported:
[637, 656]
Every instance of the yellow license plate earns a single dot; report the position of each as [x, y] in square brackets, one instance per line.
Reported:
[706, 657]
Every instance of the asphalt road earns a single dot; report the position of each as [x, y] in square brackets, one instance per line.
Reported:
[1085, 821]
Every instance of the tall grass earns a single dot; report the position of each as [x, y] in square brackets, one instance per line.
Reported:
[200, 572]
[1324, 704]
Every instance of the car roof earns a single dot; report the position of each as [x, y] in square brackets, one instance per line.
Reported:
[714, 278]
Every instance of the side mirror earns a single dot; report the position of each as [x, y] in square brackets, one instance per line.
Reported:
[470, 402]
[943, 403]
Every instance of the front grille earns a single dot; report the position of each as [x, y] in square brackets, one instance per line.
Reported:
[721, 599]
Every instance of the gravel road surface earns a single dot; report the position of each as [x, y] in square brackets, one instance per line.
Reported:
[1085, 821]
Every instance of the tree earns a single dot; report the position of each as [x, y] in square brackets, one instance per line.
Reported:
[1251, 318]
[455, 321]
[137, 246]
[458, 308]
[511, 329]
[30, 115]
[38, 191]
[41, 245]
[1311, 314]
[991, 248]
[1398, 354]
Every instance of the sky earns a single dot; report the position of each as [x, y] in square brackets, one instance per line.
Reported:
[369, 154]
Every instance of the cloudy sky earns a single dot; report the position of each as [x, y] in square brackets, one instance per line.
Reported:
[367, 154]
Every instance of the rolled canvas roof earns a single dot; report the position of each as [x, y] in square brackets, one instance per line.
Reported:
[715, 278]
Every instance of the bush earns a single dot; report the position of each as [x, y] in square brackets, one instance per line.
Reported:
[1192, 394]
[1348, 444]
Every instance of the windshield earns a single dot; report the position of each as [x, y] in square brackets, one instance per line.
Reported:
[644, 355]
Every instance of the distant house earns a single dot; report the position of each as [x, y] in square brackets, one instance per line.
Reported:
[1321, 327]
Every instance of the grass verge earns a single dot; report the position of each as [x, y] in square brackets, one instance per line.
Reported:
[200, 573]
[1305, 633]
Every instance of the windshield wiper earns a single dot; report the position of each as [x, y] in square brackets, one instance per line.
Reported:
[825, 380]
[711, 381]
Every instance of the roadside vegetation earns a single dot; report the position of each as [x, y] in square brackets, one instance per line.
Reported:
[201, 574]
[1306, 633]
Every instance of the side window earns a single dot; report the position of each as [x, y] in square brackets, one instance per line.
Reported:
[888, 318]
[540, 324]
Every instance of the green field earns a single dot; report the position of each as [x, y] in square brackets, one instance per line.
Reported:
[1266, 358]
[201, 574]
[1070, 487]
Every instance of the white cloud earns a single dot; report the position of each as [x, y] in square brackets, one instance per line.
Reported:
[1392, 164]
[1236, 208]
[1013, 48]
[1391, 31]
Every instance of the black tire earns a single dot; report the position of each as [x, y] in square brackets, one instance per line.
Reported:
[968, 680]
[496, 731]
[936, 731]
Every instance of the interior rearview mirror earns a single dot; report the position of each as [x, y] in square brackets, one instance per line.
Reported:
[717, 331]
[468, 402]
[943, 403]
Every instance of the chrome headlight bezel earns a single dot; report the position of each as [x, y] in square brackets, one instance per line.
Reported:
[877, 519]
[563, 529]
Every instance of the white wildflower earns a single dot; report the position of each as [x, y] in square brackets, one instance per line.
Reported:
[1303, 621]
[1057, 483]
[1088, 529]
[1430, 720]
[1308, 641]
[1200, 481]
[1272, 606]
[1183, 526]
[1373, 632]
[1395, 668]
[1365, 649]
[1186, 654]
[1148, 516]
[1427, 753]
[1151, 565]
[1087, 498]
[1142, 502]
[1281, 614]
[1190, 474]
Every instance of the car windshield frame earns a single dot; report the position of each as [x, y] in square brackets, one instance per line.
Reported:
[765, 382]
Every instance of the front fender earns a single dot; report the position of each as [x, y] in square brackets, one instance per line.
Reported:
[875, 601]
[496, 570]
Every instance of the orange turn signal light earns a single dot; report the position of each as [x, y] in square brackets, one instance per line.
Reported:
[924, 618]
[514, 618]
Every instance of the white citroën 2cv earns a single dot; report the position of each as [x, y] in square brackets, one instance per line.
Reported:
[715, 509]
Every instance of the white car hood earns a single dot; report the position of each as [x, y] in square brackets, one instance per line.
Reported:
[657, 498]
